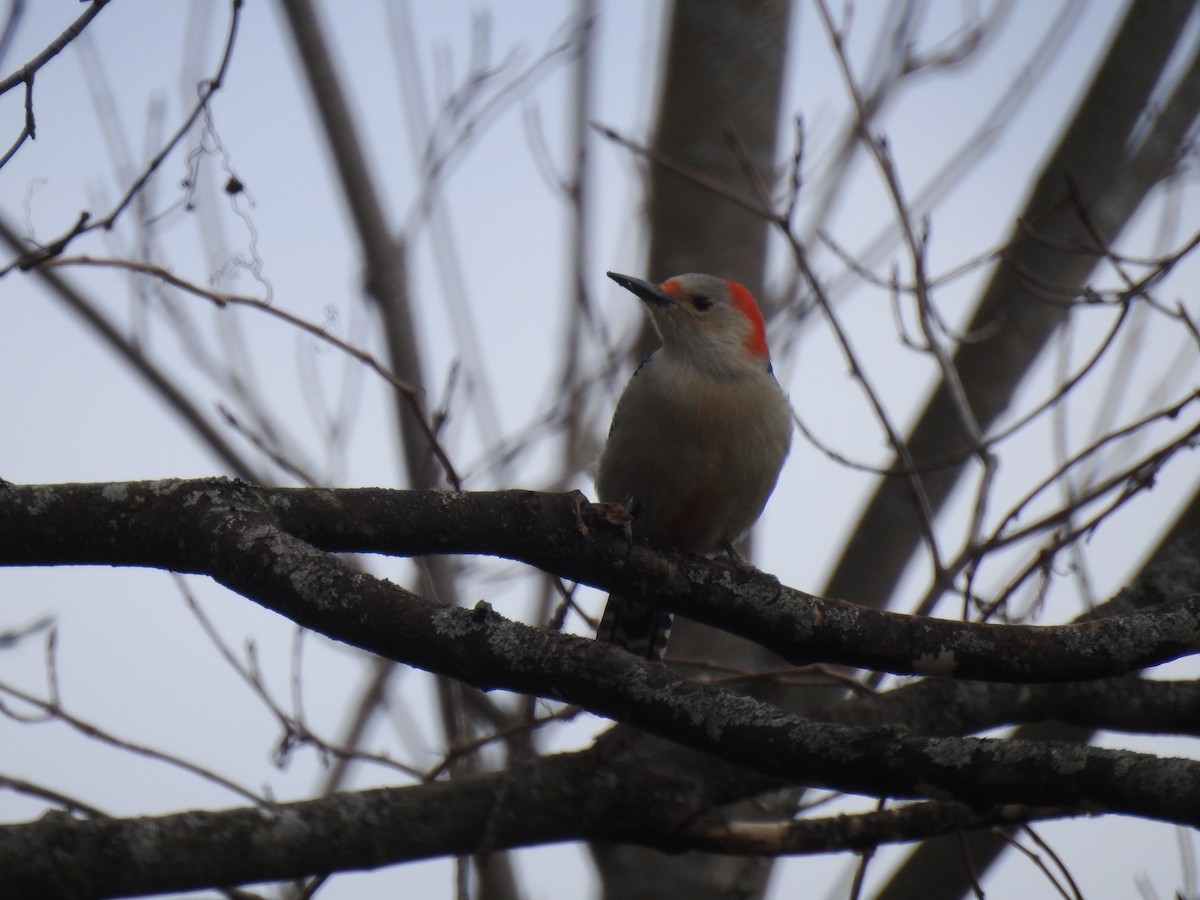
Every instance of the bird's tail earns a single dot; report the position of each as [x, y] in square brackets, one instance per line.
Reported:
[640, 629]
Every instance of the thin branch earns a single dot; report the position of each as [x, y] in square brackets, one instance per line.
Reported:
[295, 729]
[79, 807]
[52, 710]
[173, 394]
[410, 392]
[205, 91]
[55, 47]
[25, 74]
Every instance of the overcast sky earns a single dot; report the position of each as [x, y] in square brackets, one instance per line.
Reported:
[131, 655]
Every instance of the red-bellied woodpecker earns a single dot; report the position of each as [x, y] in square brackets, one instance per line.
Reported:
[699, 435]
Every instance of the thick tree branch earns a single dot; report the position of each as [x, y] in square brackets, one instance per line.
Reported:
[138, 523]
[558, 798]
[611, 792]
[914, 822]
[229, 531]
[937, 706]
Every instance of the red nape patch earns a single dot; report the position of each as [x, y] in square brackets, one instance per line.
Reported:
[756, 343]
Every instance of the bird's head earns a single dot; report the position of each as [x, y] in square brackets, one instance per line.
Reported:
[706, 321]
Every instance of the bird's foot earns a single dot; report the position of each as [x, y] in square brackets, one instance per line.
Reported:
[620, 515]
[734, 559]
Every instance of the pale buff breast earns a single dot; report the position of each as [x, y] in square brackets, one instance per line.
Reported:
[699, 458]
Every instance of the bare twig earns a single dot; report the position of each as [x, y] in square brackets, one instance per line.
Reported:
[205, 90]
[295, 729]
[20, 786]
[411, 393]
[52, 710]
[25, 74]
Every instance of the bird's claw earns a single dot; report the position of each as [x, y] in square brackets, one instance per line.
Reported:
[618, 514]
[734, 559]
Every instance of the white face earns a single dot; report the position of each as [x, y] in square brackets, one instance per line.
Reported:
[702, 319]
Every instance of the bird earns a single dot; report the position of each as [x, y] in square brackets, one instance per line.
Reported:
[698, 438]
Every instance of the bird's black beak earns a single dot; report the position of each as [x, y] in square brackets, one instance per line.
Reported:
[644, 290]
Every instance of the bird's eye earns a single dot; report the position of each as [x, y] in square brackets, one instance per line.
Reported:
[701, 303]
